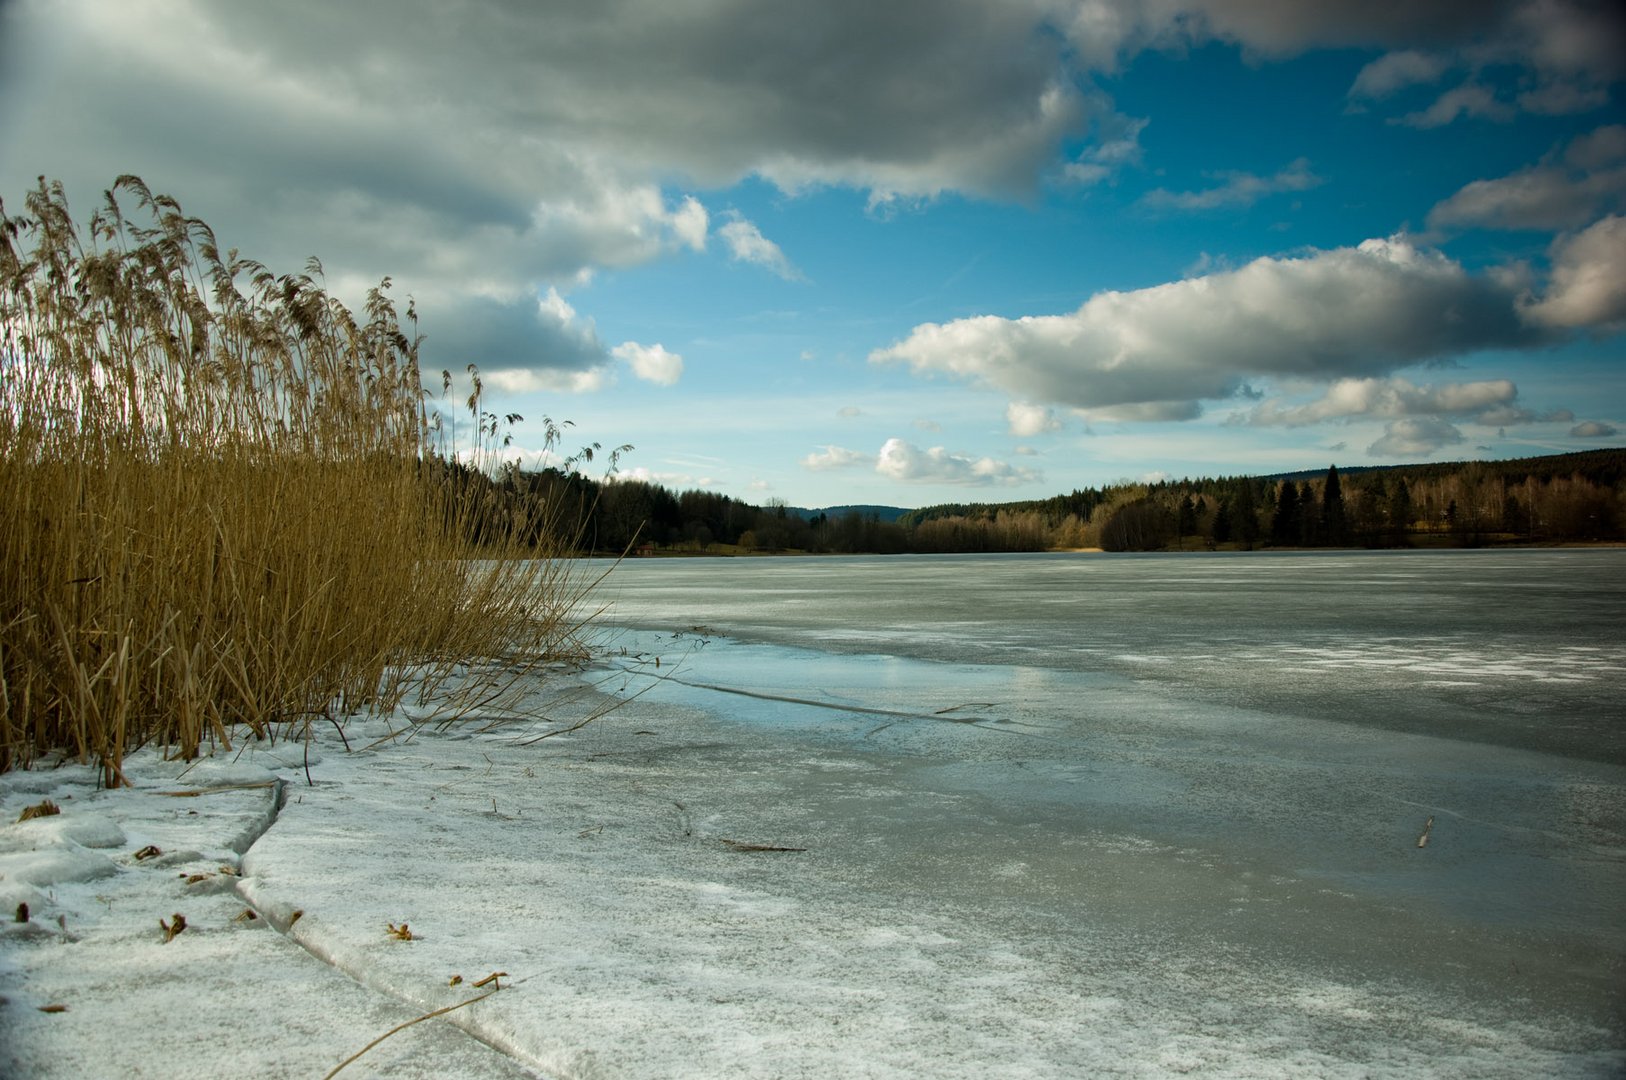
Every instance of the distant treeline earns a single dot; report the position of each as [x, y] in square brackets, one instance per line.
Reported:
[1565, 498]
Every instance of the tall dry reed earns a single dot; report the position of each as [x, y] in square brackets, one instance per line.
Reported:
[221, 508]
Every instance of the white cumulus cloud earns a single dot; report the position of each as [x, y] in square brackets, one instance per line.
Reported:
[906, 462]
[652, 363]
[1588, 285]
[690, 222]
[1027, 420]
[1344, 313]
[1419, 436]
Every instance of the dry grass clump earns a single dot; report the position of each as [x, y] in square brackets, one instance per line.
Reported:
[223, 506]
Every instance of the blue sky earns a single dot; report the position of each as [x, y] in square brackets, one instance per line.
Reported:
[912, 252]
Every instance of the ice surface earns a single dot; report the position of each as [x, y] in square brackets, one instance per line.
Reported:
[1051, 868]
[227, 996]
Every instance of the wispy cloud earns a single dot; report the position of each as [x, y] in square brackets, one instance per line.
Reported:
[837, 457]
[1564, 191]
[1235, 189]
[1396, 71]
[1471, 99]
[1395, 397]
[747, 244]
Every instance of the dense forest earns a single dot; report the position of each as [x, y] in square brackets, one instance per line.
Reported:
[1568, 498]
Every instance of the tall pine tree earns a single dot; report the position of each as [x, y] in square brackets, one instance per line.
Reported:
[1284, 527]
[1400, 512]
[1334, 524]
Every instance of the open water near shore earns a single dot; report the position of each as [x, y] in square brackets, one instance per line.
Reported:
[1224, 762]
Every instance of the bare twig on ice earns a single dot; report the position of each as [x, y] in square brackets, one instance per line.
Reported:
[417, 1020]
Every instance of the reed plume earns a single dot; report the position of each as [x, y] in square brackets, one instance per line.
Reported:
[226, 509]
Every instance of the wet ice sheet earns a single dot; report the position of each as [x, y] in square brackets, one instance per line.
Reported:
[1520, 840]
[1519, 648]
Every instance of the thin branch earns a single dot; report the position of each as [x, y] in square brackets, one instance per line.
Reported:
[403, 1027]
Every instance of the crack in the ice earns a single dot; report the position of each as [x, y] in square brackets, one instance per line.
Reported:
[286, 917]
[864, 710]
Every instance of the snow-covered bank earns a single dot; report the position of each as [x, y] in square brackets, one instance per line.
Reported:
[627, 878]
[89, 986]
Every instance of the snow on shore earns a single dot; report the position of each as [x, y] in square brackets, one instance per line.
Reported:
[665, 900]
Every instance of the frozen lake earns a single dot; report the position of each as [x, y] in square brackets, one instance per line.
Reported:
[1194, 785]
[1044, 817]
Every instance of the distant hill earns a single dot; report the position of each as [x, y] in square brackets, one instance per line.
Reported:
[1605, 466]
[884, 514]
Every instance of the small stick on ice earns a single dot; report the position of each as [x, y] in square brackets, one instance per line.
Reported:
[1428, 826]
[193, 793]
[409, 1023]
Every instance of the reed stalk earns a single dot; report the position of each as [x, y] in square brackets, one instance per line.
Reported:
[226, 510]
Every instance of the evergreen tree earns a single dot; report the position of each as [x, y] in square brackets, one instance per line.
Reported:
[1334, 525]
[1284, 528]
[1310, 532]
[1400, 512]
[1514, 517]
[1367, 522]
[1186, 518]
[1244, 509]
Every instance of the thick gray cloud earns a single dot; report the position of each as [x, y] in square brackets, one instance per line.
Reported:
[1157, 352]
[1107, 31]
[1564, 55]
[481, 152]
[1593, 429]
